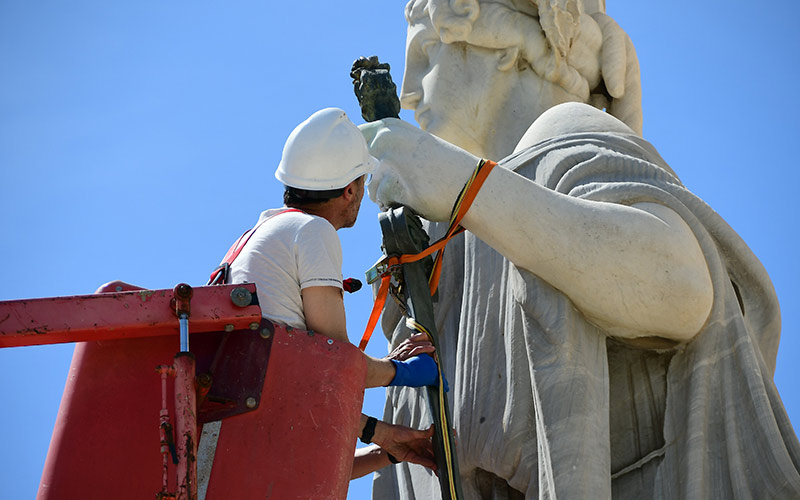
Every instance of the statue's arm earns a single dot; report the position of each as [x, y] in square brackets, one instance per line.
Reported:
[634, 270]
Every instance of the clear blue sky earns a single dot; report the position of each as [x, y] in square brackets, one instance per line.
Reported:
[138, 139]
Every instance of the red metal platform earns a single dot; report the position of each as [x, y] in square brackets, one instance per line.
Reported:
[284, 403]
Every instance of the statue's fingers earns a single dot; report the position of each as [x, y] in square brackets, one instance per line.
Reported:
[629, 107]
[373, 183]
[370, 130]
[614, 55]
[586, 49]
[385, 188]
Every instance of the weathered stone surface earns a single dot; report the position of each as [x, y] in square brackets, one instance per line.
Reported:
[607, 333]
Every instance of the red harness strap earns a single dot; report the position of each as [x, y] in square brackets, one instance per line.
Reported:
[463, 202]
[220, 274]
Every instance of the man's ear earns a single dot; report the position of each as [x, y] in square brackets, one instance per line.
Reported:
[350, 190]
[507, 58]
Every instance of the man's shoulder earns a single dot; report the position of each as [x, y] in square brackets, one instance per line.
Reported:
[294, 217]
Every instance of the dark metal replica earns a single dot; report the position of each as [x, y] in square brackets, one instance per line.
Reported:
[403, 235]
[375, 90]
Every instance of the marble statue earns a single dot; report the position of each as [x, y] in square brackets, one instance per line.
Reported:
[605, 332]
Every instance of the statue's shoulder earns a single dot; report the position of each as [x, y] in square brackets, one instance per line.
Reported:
[570, 118]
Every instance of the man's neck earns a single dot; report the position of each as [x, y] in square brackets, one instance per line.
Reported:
[327, 211]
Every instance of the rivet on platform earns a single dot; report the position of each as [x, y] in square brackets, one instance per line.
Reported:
[241, 296]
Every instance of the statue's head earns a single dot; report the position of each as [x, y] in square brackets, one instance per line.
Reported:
[464, 57]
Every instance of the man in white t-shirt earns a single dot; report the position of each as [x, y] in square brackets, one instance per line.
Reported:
[295, 259]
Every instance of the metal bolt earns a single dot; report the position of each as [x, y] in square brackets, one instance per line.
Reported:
[254, 325]
[251, 402]
[229, 328]
[183, 291]
[241, 296]
[265, 333]
[330, 341]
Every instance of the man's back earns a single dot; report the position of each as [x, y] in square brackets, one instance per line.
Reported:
[289, 251]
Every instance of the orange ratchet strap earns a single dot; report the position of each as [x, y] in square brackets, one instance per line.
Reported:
[463, 202]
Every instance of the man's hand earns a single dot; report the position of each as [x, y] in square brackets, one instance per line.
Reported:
[415, 345]
[414, 363]
[406, 444]
[418, 371]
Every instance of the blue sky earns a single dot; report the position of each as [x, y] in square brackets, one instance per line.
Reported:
[138, 139]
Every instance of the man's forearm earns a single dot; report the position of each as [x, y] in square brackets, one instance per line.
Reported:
[367, 460]
[380, 433]
[404, 443]
[380, 372]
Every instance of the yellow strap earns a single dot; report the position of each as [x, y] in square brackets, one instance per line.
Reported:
[448, 452]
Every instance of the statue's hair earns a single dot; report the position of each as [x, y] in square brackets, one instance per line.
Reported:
[542, 31]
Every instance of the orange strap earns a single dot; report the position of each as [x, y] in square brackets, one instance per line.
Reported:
[377, 308]
[463, 202]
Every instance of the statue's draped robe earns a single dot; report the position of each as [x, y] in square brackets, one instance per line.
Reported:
[548, 404]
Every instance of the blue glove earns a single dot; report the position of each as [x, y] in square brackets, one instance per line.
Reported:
[418, 371]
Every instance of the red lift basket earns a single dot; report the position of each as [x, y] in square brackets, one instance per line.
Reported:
[288, 401]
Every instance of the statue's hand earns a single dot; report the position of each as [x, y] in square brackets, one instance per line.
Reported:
[416, 169]
[584, 54]
[620, 69]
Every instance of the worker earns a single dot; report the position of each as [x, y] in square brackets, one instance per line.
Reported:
[294, 257]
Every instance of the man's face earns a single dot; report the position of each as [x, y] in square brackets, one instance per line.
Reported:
[355, 204]
[448, 86]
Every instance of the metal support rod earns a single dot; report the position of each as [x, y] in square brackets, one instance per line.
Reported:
[186, 425]
[183, 297]
[184, 333]
[185, 399]
[165, 433]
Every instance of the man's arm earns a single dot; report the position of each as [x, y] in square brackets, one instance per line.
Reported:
[368, 459]
[323, 307]
[414, 447]
[404, 443]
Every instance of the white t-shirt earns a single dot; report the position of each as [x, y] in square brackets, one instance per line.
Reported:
[289, 252]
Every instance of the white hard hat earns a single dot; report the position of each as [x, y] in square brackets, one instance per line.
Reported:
[326, 151]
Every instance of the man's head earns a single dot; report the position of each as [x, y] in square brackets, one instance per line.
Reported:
[324, 165]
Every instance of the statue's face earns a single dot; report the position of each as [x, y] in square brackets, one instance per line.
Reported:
[448, 86]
